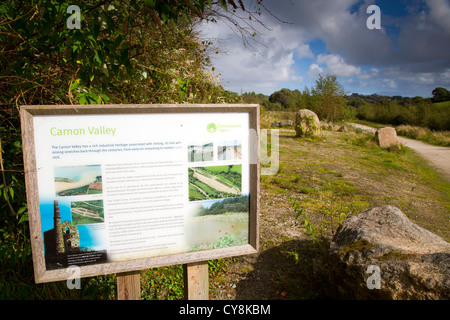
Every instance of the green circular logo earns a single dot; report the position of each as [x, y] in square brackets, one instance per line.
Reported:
[211, 128]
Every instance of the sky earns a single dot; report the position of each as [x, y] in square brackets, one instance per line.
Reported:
[408, 56]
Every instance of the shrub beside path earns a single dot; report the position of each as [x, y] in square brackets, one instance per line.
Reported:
[438, 156]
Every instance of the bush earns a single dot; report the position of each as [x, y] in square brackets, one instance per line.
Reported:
[424, 114]
[118, 56]
[441, 138]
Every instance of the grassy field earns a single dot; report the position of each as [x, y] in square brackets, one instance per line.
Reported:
[229, 174]
[443, 104]
[341, 174]
[437, 138]
[218, 169]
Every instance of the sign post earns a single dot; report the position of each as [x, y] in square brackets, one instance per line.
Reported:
[128, 286]
[196, 286]
[122, 188]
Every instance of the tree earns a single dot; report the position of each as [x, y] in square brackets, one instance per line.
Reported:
[122, 49]
[329, 102]
[283, 97]
[440, 94]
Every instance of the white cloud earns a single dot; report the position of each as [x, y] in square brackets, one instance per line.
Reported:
[304, 51]
[410, 58]
[445, 76]
[389, 83]
[261, 71]
[440, 12]
[337, 66]
[315, 70]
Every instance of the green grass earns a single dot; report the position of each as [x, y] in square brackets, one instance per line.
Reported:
[79, 191]
[194, 194]
[329, 179]
[230, 175]
[167, 283]
[437, 138]
[197, 195]
[344, 173]
[443, 104]
[217, 169]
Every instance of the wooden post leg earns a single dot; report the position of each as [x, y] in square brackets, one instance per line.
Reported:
[196, 285]
[129, 286]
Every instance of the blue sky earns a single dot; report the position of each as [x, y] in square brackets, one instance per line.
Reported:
[408, 56]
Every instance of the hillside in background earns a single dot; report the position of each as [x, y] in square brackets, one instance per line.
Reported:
[432, 113]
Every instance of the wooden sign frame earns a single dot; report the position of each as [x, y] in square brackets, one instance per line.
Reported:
[42, 274]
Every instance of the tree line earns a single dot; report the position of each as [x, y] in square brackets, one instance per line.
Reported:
[237, 204]
[328, 100]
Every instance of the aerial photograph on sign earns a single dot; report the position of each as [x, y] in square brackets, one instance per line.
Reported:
[87, 212]
[215, 182]
[78, 180]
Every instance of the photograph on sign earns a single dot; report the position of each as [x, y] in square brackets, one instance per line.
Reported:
[114, 188]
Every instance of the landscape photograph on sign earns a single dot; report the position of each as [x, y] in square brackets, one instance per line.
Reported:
[203, 152]
[78, 180]
[218, 224]
[215, 182]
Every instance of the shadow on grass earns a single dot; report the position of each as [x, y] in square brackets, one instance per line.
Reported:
[294, 270]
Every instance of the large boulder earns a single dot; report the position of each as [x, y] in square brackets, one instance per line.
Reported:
[387, 138]
[306, 123]
[409, 261]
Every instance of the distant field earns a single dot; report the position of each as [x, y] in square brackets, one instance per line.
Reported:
[217, 169]
[443, 104]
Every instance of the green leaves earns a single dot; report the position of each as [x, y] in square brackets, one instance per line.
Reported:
[116, 41]
[91, 96]
[183, 87]
[223, 3]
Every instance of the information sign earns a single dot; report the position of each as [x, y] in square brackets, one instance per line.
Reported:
[121, 188]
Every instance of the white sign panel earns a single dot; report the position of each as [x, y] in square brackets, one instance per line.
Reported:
[121, 187]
